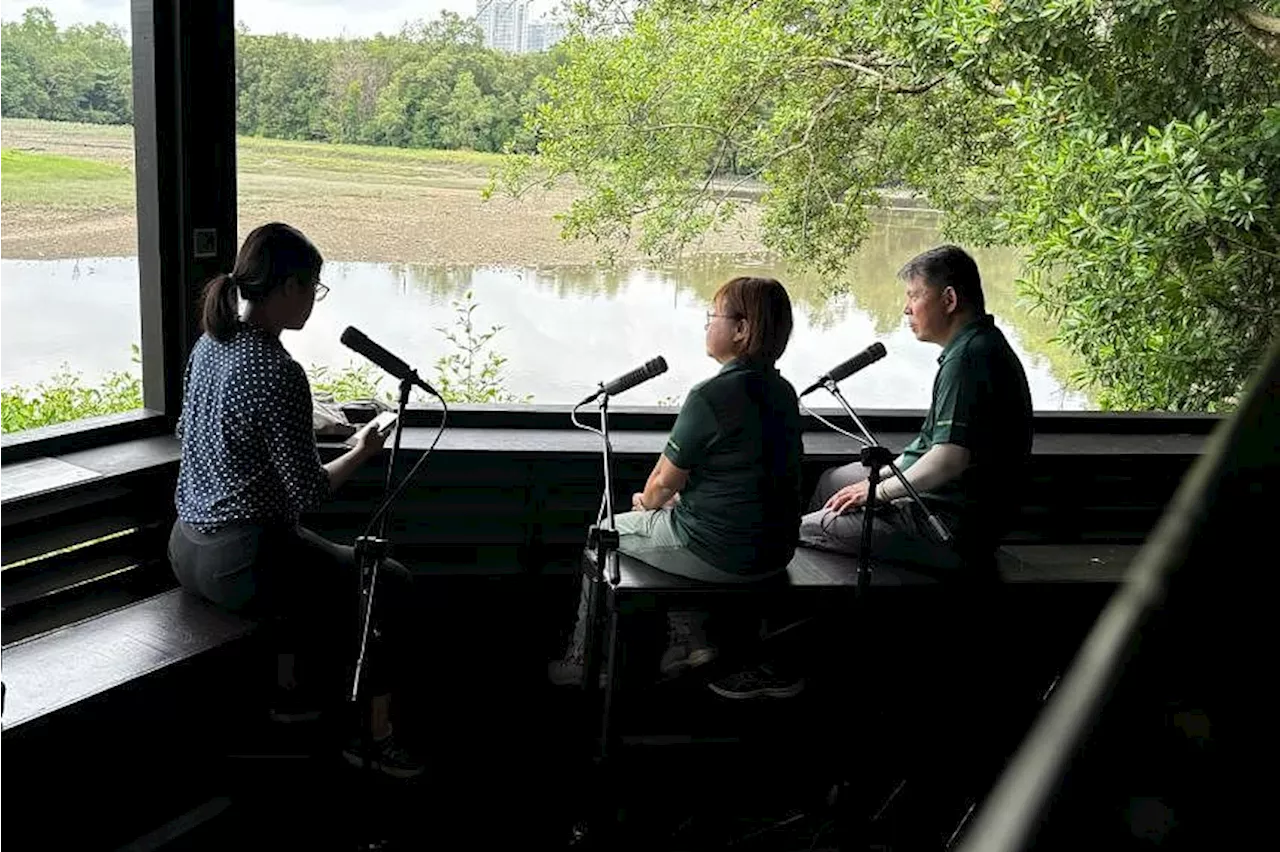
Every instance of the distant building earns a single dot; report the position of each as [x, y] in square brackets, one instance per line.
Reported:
[542, 35]
[503, 23]
[506, 26]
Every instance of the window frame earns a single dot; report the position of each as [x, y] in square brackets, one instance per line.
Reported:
[185, 180]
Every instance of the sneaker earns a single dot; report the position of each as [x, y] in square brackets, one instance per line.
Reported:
[687, 645]
[292, 706]
[760, 682]
[387, 757]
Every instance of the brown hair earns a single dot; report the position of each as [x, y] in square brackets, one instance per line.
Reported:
[765, 305]
[270, 256]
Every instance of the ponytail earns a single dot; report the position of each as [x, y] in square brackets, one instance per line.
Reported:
[270, 256]
[221, 310]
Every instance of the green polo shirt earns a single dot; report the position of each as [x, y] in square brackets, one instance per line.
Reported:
[981, 402]
[738, 435]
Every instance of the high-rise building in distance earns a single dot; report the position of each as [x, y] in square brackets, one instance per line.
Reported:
[503, 23]
[541, 35]
[506, 26]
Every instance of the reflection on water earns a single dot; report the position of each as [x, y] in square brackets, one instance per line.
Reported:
[564, 328]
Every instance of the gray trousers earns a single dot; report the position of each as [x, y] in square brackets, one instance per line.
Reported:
[651, 536]
[308, 586]
[899, 530]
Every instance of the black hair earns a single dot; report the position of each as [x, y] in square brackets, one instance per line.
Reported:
[949, 266]
[270, 256]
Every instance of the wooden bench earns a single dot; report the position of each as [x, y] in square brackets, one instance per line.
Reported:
[818, 580]
[54, 671]
[641, 584]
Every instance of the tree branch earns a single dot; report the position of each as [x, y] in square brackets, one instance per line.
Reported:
[865, 68]
[1258, 27]
[1259, 19]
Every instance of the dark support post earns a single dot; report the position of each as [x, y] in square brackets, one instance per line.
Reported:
[184, 142]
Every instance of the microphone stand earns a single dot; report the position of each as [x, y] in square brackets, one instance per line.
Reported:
[370, 552]
[875, 457]
[603, 538]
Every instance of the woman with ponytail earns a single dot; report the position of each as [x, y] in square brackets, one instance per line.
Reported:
[250, 468]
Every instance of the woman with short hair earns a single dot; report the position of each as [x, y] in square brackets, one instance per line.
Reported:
[723, 502]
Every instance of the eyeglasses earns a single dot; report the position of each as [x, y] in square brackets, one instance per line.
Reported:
[711, 316]
[322, 290]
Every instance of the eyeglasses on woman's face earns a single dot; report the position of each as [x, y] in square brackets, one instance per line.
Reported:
[712, 316]
[322, 290]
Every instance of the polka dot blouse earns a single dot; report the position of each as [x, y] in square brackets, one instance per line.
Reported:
[248, 449]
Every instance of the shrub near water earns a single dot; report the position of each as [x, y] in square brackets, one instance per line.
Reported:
[65, 397]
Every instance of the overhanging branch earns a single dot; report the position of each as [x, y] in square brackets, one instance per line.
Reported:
[887, 85]
[1259, 19]
[1260, 28]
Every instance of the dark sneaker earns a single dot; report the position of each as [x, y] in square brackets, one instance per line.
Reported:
[687, 645]
[292, 706]
[387, 757]
[760, 682]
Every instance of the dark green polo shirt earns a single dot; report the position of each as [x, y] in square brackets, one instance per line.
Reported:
[981, 402]
[738, 435]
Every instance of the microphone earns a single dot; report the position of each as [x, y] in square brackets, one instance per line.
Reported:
[354, 338]
[627, 381]
[862, 360]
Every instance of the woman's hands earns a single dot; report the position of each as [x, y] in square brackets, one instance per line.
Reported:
[368, 441]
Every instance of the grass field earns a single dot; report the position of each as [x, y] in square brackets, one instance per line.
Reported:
[67, 190]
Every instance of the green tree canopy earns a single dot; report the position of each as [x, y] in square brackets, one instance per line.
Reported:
[432, 85]
[1131, 146]
[81, 73]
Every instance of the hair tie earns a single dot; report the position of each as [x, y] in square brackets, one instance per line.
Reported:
[231, 279]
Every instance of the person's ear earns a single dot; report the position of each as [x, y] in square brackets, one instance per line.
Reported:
[741, 331]
[950, 301]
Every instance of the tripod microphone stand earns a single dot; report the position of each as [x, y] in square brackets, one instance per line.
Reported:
[875, 458]
[370, 552]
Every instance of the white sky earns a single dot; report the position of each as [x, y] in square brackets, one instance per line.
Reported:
[311, 18]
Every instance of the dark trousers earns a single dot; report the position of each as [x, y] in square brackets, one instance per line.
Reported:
[307, 587]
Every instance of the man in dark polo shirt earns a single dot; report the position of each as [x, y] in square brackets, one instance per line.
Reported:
[969, 459]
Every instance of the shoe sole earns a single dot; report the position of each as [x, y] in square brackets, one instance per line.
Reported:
[393, 771]
[789, 691]
[696, 658]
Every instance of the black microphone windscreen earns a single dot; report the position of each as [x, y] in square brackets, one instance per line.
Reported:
[862, 360]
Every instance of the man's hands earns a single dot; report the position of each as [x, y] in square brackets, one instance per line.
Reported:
[848, 498]
[638, 506]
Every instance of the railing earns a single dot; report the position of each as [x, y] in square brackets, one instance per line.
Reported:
[1230, 489]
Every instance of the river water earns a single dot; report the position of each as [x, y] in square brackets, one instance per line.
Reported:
[563, 328]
